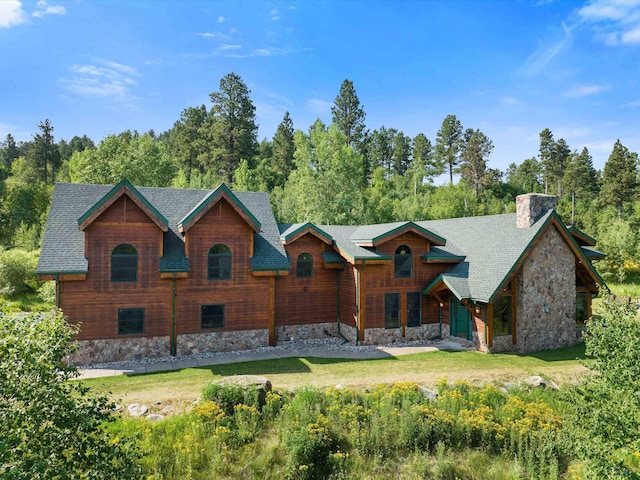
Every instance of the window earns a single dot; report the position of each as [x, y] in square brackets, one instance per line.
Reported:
[124, 263]
[212, 316]
[582, 311]
[403, 262]
[219, 262]
[391, 310]
[502, 316]
[130, 320]
[304, 268]
[414, 309]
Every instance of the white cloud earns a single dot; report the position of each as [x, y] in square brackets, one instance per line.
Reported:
[546, 52]
[508, 100]
[43, 8]
[104, 78]
[275, 15]
[319, 106]
[615, 22]
[11, 13]
[216, 36]
[229, 47]
[222, 19]
[580, 91]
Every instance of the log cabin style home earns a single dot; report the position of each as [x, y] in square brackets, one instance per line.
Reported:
[156, 271]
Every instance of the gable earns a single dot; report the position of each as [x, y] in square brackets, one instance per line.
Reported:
[291, 233]
[211, 200]
[122, 189]
[375, 235]
[123, 210]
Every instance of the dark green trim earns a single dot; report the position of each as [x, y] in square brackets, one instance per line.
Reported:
[134, 191]
[331, 257]
[435, 239]
[553, 215]
[310, 226]
[588, 240]
[438, 279]
[443, 257]
[591, 253]
[214, 196]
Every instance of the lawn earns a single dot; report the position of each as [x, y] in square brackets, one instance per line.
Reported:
[182, 387]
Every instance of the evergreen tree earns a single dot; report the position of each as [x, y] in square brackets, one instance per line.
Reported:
[476, 147]
[401, 153]
[580, 178]
[283, 148]
[448, 141]
[348, 115]
[230, 130]
[44, 152]
[380, 149]
[424, 156]
[184, 142]
[546, 155]
[9, 151]
[526, 176]
[620, 177]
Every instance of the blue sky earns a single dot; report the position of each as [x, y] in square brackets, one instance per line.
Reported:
[510, 69]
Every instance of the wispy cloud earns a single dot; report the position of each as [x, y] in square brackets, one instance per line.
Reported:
[318, 106]
[215, 36]
[580, 91]
[102, 78]
[615, 22]
[510, 101]
[43, 8]
[11, 13]
[547, 51]
[227, 47]
[263, 52]
[222, 19]
[275, 15]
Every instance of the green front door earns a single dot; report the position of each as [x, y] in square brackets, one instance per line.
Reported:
[460, 319]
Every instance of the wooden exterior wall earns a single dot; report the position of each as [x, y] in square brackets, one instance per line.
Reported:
[94, 302]
[378, 279]
[302, 301]
[348, 295]
[245, 296]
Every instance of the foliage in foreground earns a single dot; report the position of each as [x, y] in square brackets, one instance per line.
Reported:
[383, 432]
[604, 429]
[51, 428]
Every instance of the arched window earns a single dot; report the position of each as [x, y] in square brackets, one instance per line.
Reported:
[403, 262]
[219, 262]
[124, 263]
[304, 268]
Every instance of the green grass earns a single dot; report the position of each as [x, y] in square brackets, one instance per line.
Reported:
[182, 387]
[26, 302]
[630, 287]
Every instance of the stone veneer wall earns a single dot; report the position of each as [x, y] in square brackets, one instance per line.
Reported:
[121, 349]
[531, 207]
[546, 291]
[503, 343]
[348, 332]
[377, 336]
[222, 341]
[304, 332]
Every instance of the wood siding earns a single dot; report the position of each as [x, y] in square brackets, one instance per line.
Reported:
[376, 280]
[302, 301]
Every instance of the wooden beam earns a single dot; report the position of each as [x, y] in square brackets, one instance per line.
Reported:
[165, 275]
[514, 310]
[270, 273]
[272, 311]
[489, 326]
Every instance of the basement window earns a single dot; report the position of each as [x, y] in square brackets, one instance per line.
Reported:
[212, 316]
[130, 321]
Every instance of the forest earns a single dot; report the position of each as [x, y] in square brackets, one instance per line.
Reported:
[346, 172]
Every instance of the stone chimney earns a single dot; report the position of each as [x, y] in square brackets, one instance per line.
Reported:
[532, 207]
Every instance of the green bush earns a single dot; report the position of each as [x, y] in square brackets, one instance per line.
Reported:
[228, 396]
[18, 272]
[51, 428]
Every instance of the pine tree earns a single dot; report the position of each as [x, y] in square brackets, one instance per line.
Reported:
[475, 149]
[283, 149]
[546, 155]
[580, 178]
[348, 115]
[184, 141]
[230, 131]
[620, 177]
[448, 141]
[9, 151]
[44, 152]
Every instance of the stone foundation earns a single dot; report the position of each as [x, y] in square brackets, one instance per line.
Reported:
[348, 332]
[118, 350]
[503, 343]
[222, 341]
[304, 332]
[378, 336]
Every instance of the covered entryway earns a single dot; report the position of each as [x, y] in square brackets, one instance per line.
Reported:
[460, 319]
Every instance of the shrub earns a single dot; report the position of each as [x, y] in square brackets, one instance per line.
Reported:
[18, 272]
[230, 395]
[50, 427]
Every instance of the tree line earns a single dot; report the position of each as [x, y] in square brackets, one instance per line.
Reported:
[340, 173]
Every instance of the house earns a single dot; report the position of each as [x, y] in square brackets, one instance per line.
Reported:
[156, 271]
